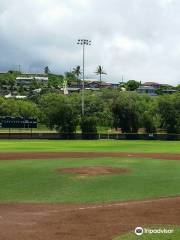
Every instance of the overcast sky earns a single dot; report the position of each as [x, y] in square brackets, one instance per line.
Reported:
[139, 39]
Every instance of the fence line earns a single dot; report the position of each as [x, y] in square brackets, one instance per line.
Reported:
[90, 136]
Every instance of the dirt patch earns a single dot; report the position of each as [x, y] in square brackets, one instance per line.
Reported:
[48, 155]
[93, 171]
[84, 222]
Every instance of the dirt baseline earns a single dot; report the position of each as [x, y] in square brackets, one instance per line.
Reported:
[93, 171]
[84, 222]
[47, 155]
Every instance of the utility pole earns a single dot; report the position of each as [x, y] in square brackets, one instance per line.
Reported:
[83, 42]
[19, 67]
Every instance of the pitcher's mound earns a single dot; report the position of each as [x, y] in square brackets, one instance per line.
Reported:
[92, 171]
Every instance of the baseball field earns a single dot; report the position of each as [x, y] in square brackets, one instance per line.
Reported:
[89, 190]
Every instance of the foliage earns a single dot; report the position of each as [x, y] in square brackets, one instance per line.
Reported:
[20, 108]
[159, 91]
[110, 107]
[148, 122]
[88, 127]
[178, 87]
[126, 113]
[55, 80]
[169, 110]
[58, 113]
[132, 85]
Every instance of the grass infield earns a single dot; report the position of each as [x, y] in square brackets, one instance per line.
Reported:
[39, 181]
[92, 146]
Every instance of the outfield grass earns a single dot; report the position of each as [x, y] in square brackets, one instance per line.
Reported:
[173, 236]
[95, 146]
[38, 181]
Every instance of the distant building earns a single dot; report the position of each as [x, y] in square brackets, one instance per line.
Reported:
[20, 97]
[42, 79]
[13, 96]
[166, 85]
[169, 91]
[98, 85]
[94, 85]
[156, 85]
[70, 90]
[27, 80]
[147, 90]
[2, 73]
[24, 80]
[152, 84]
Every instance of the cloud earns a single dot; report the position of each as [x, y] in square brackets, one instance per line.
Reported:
[135, 38]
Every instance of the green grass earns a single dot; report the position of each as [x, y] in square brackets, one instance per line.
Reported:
[95, 146]
[174, 236]
[38, 181]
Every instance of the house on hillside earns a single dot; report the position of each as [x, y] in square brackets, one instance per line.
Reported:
[168, 91]
[98, 85]
[147, 90]
[94, 85]
[152, 84]
[27, 80]
[24, 80]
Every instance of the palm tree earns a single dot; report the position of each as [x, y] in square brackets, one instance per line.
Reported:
[77, 72]
[100, 72]
[47, 70]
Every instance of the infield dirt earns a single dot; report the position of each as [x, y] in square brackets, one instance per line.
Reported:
[93, 171]
[84, 222]
[48, 155]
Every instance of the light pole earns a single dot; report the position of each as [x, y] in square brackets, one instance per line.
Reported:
[83, 42]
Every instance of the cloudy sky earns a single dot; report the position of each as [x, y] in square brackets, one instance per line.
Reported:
[139, 39]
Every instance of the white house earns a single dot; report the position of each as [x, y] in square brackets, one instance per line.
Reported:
[147, 90]
[27, 80]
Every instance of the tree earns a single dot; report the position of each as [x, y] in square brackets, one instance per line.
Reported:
[88, 127]
[35, 84]
[3, 82]
[21, 89]
[27, 109]
[126, 113]
[11, 83]
[77, 72]
[169, 110]
[100, 72]
[177, 87]
[55, 81]
[148, 122]
[58, 113]
[19, 108]
[159, 91]
[47, 70]
[132, 85]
